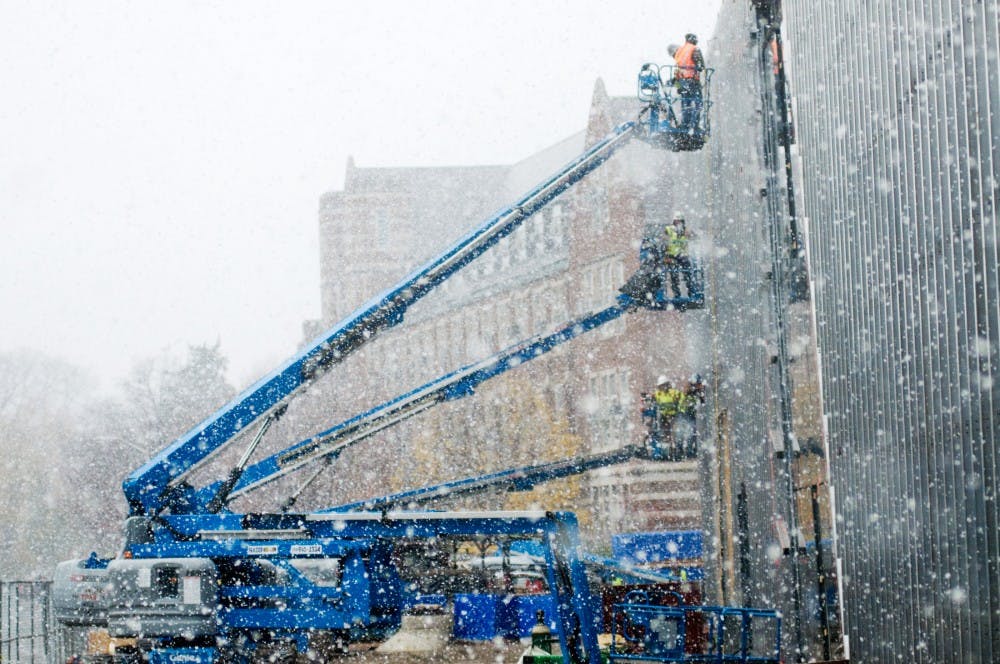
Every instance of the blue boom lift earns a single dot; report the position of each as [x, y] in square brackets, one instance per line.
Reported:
[664, 117]
[196, 582]
[263, 575]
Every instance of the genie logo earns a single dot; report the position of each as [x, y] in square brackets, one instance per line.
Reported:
[186, 656]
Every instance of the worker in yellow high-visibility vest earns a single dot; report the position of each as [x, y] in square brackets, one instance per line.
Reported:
[675, 255]
[668, 400]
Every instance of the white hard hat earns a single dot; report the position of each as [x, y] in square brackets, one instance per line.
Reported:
[662, 380]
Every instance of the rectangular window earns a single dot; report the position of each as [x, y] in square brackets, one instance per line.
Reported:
[559, 399]
[586, 299]
[192, 590]
[478, 344]
[560, 309]
[554, 228]
[166, 582]
[533, 232]
[493, 334]
[323, 572]
[597, 201]
[519, 250]
[612, 401]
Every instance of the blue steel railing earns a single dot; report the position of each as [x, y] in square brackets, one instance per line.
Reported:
[675, 634]
[676, 114]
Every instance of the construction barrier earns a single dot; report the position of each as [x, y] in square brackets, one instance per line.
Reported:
[28, 631]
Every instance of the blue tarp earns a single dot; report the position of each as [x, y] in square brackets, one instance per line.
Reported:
[483, 617]
[667, 546]
[477, 617]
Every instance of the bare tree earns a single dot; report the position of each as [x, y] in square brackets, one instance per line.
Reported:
[42, 402]
[66, 452]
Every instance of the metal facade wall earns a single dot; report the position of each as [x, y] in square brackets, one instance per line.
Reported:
[898, 118]
[745, 214]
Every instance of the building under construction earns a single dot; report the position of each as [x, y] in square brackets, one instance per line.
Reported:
[858, 147]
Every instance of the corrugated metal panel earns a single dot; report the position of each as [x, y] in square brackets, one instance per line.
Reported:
[897, 120]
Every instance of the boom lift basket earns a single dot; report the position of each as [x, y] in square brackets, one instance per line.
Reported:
[675, 117]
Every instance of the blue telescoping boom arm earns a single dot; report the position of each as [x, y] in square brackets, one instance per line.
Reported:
[458, 384]
[523, 478]
[154, 487]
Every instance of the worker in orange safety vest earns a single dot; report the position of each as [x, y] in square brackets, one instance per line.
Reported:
[687, 77]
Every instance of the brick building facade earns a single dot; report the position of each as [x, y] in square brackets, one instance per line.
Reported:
[567, 260]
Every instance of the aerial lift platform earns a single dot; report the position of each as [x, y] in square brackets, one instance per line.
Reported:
[196, 582]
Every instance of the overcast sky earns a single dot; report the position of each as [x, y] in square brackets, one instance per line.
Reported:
[161, 162]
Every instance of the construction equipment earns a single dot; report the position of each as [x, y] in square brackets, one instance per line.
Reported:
[198, 583]
[78, 593]
[455, 385]
[652, 632]
[252, 579]
[674, 634]
[650, 281]
[663, 116]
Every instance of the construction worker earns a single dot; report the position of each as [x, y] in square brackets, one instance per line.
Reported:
[673, 107]
[668, 400]
[694, 397]
[687, 77]
[696, 390]
[675, 255]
